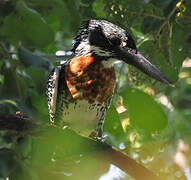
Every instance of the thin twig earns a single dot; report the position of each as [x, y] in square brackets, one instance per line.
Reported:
[146, 14]
[166, 21]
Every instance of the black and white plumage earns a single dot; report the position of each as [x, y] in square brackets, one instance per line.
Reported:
[80, 90]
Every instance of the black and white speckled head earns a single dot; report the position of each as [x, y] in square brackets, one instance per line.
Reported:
[108, 41]
[101, 38]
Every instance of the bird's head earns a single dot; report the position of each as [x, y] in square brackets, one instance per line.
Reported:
[108, 41]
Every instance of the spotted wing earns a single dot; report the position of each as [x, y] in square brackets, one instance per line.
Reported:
[52, 91]
[58, 93]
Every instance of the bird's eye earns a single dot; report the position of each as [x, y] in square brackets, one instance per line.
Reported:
[115, 41]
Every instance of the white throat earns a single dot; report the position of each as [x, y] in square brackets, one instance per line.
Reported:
[109, 62]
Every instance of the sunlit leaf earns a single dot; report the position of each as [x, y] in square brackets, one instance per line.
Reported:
[112, 127]
[144, 111]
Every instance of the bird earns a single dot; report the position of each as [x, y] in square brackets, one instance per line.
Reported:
[80, 90]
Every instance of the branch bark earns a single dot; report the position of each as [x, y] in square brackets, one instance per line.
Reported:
[16, 123]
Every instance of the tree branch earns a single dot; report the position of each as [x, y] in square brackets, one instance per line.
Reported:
[16, 123]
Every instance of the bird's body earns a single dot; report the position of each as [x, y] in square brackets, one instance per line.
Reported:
[80, 90]
[83, 93]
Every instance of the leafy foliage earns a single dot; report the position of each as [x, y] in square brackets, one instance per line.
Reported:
[154, 123]
[144, 111]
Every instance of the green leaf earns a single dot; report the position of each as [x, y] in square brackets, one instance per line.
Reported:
[98, 8]
[7, 162]
[170, 71]
[28, 58]
[73, 8]
[2, 79]
[144, 111]
[62, 16]
[152, 19]
[112, 127]
[27, 26]
[15, 84]
[39, 102]
[8, 106]
[35, 81]
[177, 44]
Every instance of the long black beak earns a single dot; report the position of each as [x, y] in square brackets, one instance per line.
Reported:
[143, 64]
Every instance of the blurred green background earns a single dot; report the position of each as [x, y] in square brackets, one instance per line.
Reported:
[147, 120]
